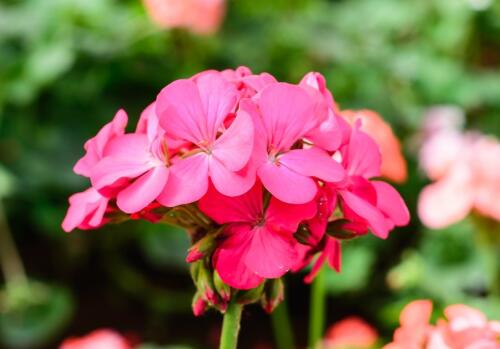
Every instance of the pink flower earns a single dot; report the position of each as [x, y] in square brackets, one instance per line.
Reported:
[96, 146]
[195, 112]
[199, 16]
[99, 339]
[333, 131]
[352, 332]
[258, 243]
[465, 328]
[283, 114]
[134, 166]
[458, 162]
[366, 203]
[393, 162]
[415, 328]
[86, 210]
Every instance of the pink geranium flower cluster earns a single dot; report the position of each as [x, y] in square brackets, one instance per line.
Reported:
[267, 173]
[463, 328]
[457, 162]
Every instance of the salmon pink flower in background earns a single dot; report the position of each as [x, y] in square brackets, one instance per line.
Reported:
[195, 112]
[199, 16]
[463, 328]
[99, 339]
[258, 243]
[393, 163]
[350, 333]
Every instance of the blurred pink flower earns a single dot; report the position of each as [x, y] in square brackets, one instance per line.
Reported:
[463, 328]
[258, 243]
[99, 339]
[199, 16]
[350, 333]
[465, 163]
[393, 163]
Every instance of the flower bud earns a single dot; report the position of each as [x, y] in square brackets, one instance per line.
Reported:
[201, 248]
[250, 296]
[303, 234]
[336, 230]
[274, 293]
[199, 305]
[222, 288]
[206, 286]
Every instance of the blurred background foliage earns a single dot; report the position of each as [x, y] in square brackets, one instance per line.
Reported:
[67, 65]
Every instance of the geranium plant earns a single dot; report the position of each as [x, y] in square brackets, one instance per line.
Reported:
[264, 176]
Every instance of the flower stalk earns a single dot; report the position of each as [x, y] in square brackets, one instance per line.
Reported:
[317, 310]
[231, 326]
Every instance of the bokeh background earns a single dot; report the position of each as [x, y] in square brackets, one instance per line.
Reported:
[66, 66]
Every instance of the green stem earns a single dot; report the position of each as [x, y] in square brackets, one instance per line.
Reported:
[317, 310]
[11, 263]
[282, 327]
[231, 326]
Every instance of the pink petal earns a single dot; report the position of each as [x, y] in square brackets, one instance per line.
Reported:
[230, 256]
[333, 249]
[313, 162]
[361, 156]
[187, 181]
[224, 209]
[132, 145]
[287, 185]
[234, 147]
[331, 133]
[84, 207]
[181, 113]
[95, 146]
[218, 98]
[286, 217]
[440, 206]
[416, 314]
[271, 254]
[110, 170]
[287, 114]
[367, 211]
[391, 203]
[258, 82]
[231, 183]
[143, 191]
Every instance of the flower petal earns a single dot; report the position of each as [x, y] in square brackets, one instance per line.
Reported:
[313, 162]
[391, 203]
[234, 147]
[287, 185]
[287, 217]
[286, 113]
[231, 183]
[367, 211]
[361, 157]
[229, 258]
[218, 98]
[187, 181]
[271, 254]
[224, 209]
[143, 191]
[181, 113]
